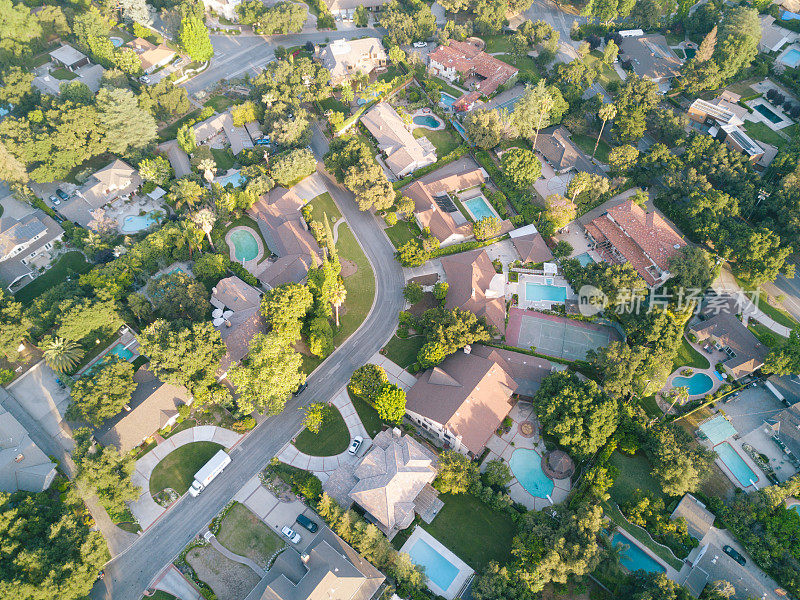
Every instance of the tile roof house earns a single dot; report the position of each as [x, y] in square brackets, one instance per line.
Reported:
[470, 62]
[626, 233]
[698, 518]
[153, 406]
[722, 327]
[151, 56]
[106, 185]
[391, 476]
[786, 426]
[346, 8]
[562, 153]
[443, 217]
[343, 58]
[476, 286]
[237, 316]
[329, 569]
[25, 245]
[69, 58]
[278, 216]
[530, 245]
[463, 400]
[651, 57]
[23, 466]
[404, 153]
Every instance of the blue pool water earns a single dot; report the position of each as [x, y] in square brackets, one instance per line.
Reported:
[479, 208]
[790, 16]
[116, 41]
[459, 128]
[245, 246]
[437, 568]
[118, 350]
[447, 99]
[764, 110]
[699, 383]
[585, 259]
[235, 179]
[736, 464]
[134, 223]
[795, 508]
[634, 558]
[526, 465]
[426, 121]
[791, 58]
[538, 291]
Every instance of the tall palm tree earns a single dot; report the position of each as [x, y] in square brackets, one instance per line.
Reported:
[205, 219]
[338, 296]
[208, 167]
[606, 113]
[61, 355]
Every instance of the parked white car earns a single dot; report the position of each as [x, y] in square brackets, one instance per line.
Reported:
[420, 44]
[355, 445]
[291, 535]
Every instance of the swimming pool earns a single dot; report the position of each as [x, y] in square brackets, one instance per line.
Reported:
[634, 558]
[526, 465]
[121, 351]
[235, 179]
[479, 208]
[459, 128]
[791, 58]
[116, 41]
[735, 463]
[426, 121]
[537, 292]
[764, 110]
[134, 223]
[437, 568]
[584, 259]
[245, 246]
[447, 100]
[699, 383]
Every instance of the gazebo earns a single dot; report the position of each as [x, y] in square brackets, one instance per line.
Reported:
[558, 465]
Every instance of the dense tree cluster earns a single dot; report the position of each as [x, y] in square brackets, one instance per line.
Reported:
[352, 160]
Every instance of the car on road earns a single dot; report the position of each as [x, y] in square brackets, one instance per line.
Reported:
[300, 389]
[291, 535]
[304, 521]
[55, 200]
[420, 44]
[734, 555]
[355, 445]
[145, 79]
[62, 194]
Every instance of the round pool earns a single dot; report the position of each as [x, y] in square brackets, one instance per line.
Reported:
[244, 243]
[116, 41]
[699, 383]
[426, 121]
[526, 465]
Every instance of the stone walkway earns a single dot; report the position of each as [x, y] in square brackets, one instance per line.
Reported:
[212, 539]
[397, 375]
[323, 466]
[336, 229]
[145, 509]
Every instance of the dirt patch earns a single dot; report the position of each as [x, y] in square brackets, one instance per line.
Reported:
[229, 580]
[428, 301]
[349, 268]
[301, 347]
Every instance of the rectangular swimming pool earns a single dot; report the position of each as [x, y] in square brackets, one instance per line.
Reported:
[437, 568]
[479, 208]
[634, 558]
[743, 473]
[773, 117]
[537, 292]
[791, 58]
[447, 100]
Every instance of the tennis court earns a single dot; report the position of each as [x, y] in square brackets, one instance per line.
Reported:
[718, 429]
[556, 336]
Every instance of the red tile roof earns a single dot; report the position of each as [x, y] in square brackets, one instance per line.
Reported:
[468, 59]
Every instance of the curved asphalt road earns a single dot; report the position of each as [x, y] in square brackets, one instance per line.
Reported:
[128, 575]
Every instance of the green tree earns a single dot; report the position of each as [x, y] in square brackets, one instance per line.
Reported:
[194, 39]
[391, 403]
[293, 166]
[691, 269]
[457, 474]
[785, 359]
[559, 211]
[314, 416]
[532, 112]
[610, 52]
[521, 167]
[623, 158]
[484, 128]
[103, 393]
[485, 228]
[108, 474]
[676, 464]
[179, 296]
[413, 292]
[412, 254]
[367, 381]
[186, 138]
[606, 113]
[14, 326]
[61, 355]
[447, 331]
[637, 98]
[156, 170]
[126, 125]
[497, 474]
[210, 268]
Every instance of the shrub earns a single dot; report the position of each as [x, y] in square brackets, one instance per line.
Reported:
[391, 219]
[6, 375]
[413, 292]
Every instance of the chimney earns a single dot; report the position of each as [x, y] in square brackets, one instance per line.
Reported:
[396, 432]
[305, 558]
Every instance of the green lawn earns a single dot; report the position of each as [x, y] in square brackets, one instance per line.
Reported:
[69, 264]
[403, 352]
[776, 314]
[497, 43]
[447, 88]
[607, 74]
[524, 63]
[334, 104]
[766, 336]
[443, 140]
[63, 74]
[762, 133]
[243, 533]
[473, 531]
[689, 357]
[744, 87]
[651, 406]
[219, 103]
[170, 132]
[332, 439]
[634, 473]
[402, 232]
[324, 205]
[368, 415]
[224, 159]
[586, 143]
[179, 466]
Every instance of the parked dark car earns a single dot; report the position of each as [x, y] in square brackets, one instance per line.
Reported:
[304, 521]
[62, 194]
[734, 555]
[299, 390]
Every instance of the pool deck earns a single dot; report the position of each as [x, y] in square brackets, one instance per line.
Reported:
[502, 447]
[736, 444]
[248, 264]
[713, 359]
[464, 570]
[518, 288]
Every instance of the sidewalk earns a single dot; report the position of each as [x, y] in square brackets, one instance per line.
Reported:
[726, 284]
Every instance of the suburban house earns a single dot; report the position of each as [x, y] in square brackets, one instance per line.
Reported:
[698, 518]
[463, 400]
[649, 56]
[482, 73]
[786, 429]
[224, 8]
[328, 568]
[393, 480]
[774, 37]
[721, 328]
[434, 208]
[286, 234]
[475, 286]
[790, 5]
[346, 8]
[151, 56]
[219, 130]
[69, 58]
[722, 119]
[404, 153]
[626, 233]
[178, 159]
[561, 153]
[237, 316]
[344, 58]
[27, 236]
[23, 466]
[714, 112]
[530, 245]
[113, 181]
[153, 406]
